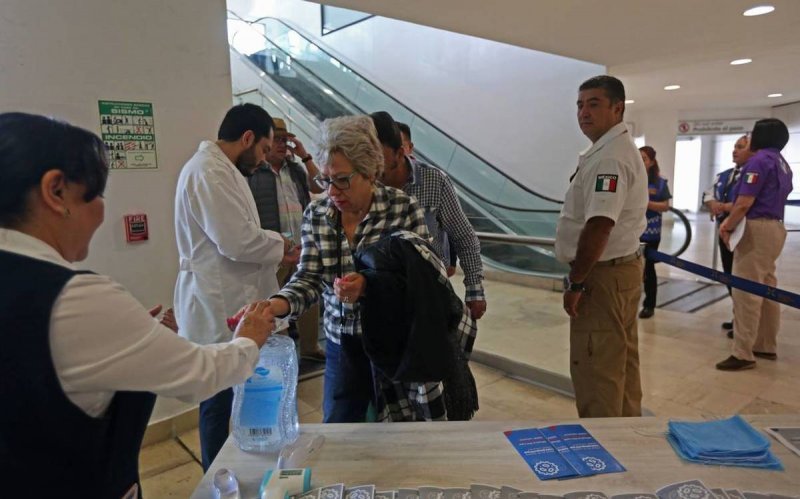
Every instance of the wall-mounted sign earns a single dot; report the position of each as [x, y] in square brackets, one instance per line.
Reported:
[715, 127]
[129, 133]
[136, 228]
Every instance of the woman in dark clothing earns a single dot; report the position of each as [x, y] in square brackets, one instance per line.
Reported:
[659, 203]
[82, 360]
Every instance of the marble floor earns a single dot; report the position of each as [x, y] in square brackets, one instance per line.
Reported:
[526, 325]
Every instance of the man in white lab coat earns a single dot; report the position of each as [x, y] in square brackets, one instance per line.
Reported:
[226, 259]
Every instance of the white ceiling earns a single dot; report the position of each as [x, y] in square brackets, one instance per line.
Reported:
[646, 43]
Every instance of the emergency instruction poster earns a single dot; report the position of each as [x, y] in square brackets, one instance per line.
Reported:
[128, 130]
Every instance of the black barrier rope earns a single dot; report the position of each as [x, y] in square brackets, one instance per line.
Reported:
[752, 287]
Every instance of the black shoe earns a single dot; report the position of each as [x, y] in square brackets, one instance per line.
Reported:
[730, 334]
[646, 313]
[766, 355]
[727, 325]
[734, 364]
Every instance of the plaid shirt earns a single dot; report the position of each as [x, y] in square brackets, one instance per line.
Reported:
[444, 215]
[423, 401]
[391, 210]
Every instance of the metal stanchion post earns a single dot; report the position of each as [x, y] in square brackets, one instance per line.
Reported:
[714, 257]
[716, 249]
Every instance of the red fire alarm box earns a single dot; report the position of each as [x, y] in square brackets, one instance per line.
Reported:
[136, 228]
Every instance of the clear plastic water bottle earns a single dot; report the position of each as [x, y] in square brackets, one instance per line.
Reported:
[265, 406]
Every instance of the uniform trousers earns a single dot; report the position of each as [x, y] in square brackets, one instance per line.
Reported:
[650, 277]
[308, 323]
[604, 342]
[756, 320]
[726, 256]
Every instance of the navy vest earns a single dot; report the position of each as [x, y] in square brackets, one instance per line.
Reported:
[657, 192]
[48, 446]
[723, 190]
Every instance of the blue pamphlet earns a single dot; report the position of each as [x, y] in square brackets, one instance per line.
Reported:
[585, 454]
[563, 451]
[542, 457]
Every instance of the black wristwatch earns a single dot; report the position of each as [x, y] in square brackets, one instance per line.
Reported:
[306, 159]
[573, 287]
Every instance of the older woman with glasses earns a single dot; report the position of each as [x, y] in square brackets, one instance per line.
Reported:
[357, 212]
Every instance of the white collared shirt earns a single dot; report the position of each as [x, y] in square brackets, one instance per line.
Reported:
[611, 182]
[290, 209]
[226, 260]
[102, 340]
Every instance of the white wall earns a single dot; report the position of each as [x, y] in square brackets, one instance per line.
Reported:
[659, 129]
[60, 58]
[513, 106]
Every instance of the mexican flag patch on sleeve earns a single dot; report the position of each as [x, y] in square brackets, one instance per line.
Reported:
[606, 183]
[751, 178]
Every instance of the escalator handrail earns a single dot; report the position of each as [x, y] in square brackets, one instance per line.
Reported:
[427, 122]
[492, 237]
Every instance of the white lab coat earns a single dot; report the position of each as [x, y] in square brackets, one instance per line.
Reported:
[226, 259]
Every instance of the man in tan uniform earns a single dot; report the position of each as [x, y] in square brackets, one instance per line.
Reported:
[598, 235]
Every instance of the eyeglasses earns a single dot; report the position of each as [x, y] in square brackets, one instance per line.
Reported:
[284, 139]
[341, 182]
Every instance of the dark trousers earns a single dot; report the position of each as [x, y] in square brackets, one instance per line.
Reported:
[215, 417]
[348, 387]
[726, 256]
[650, 277]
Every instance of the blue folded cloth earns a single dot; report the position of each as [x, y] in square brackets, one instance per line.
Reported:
[728, 442]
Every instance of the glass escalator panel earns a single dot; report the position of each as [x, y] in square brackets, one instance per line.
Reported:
[327, 88]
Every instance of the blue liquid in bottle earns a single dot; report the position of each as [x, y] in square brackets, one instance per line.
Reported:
[265, 406]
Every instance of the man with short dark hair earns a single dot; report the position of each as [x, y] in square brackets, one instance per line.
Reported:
[598, 235]
[226, 259]
[281, 188]
[408, 149]
[444, 217]
[405, 136]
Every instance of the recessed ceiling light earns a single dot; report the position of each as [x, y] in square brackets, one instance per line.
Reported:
[739, 62]
[758, 10]
[672, 87]
[629, 101]
[775, 95]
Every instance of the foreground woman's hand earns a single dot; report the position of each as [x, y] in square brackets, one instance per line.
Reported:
[349, 288]
[257, 323]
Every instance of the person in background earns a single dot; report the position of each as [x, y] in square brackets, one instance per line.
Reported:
[408, 149]
[405, 136]
[282, 190]
[446, 220]
[82, 360]
[226, 259]
[759, 202]
[598, 236]
[658, 191]
[719, 202]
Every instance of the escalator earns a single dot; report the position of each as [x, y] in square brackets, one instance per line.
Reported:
[302, 80]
